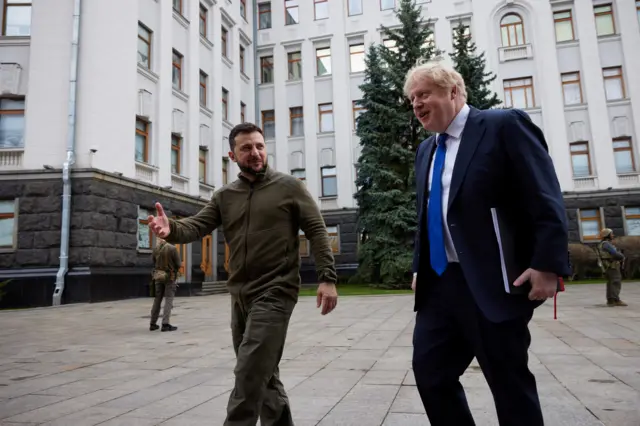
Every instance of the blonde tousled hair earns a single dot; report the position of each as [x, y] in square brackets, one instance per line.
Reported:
[440, 73]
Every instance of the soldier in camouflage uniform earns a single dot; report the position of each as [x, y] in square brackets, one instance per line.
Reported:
[610, 262]
[166, 262]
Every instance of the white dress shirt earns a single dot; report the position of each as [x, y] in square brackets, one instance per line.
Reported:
[453, 144]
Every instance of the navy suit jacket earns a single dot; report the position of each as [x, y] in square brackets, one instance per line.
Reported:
[502, 162]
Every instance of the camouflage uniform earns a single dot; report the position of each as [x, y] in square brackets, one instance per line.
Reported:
[166, 259]
[610, 262]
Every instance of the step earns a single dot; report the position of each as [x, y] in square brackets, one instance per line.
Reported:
[213, 287]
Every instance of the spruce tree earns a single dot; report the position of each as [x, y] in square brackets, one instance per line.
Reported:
[472, 68]
[389, 136]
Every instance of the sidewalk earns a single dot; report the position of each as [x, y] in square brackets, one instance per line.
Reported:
[95, 364]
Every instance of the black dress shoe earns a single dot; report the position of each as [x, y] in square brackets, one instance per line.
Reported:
[153, 327]
[168, 327]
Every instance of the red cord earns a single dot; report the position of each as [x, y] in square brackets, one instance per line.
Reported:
[555, 309]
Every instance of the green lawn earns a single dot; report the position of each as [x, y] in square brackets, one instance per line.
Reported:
[353, 290]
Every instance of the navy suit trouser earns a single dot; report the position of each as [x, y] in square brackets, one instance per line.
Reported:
[450, 330]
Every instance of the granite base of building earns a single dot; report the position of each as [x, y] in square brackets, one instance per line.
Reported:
[109, 257]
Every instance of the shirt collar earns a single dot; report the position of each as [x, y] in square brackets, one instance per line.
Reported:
[457, 125]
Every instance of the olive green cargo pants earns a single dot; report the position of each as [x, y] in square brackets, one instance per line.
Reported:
[614, 284]
[259, 331]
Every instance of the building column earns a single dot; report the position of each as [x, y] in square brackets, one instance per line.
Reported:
[593, 84]
[161, 129]
[220, 142]
[312, 168]
[281, 108]
[552, 99]
[191, 143]
[630, 30]
[341, 113]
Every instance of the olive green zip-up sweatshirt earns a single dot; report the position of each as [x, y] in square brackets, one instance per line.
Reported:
[261, 221]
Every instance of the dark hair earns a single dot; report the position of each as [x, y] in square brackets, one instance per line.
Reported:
[242, 128]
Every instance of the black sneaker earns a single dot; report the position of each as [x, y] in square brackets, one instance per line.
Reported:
[168, 327]
[153, 327]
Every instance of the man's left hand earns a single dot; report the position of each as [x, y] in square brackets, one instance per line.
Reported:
[543, 284]
[327, 297]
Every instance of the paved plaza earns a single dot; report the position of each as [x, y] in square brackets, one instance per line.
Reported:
[95, 364]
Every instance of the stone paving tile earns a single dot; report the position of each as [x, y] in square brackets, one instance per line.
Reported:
[98, 364]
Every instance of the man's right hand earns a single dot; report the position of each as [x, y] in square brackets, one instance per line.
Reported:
[159, 224]
[413, 283]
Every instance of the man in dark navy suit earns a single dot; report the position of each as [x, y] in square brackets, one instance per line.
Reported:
[476, 161]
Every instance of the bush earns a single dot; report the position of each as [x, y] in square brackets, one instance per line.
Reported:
[630, 246]
[584, 261]
[2, 292]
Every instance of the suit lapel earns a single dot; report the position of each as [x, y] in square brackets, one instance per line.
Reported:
[424, 169]
[471, 137]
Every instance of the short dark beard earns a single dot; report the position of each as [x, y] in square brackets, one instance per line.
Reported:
[252, 172]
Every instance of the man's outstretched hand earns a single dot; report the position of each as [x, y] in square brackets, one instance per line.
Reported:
[327, 297]
[159, 224]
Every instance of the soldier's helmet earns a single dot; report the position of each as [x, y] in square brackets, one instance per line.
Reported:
[606, 233]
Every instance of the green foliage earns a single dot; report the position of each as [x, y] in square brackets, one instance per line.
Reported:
[389, 136]
[472, 68]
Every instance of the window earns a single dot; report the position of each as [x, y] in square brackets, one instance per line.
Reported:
[269, 124]
[304, 244]
[177, 70]
[519, 93]
[391, 45]
[334, 239]
[580, 159]
[295, 65]
[613, 84]
[264, 15]
[203, 88]
[356, 53]
[142, 141]
[355, 7]
[16, 18]
[8, 224]
[329, 181]
[225, 104]
[11, 123]
[225, 170]
[387, 4]
[204, 13]
[512, 29]
[243, 9]
[326, 117]
[266, 69]
[321, 9]
[176, 146]
[323, 61]
[605, 24]
[223, 46]
[466, 31]
[300, 174]
[590, 223]
[296, 121]
[632, 221]
[571, 88]
[177, 6]
[144, 46]
[358, 109]
[242, 65]
[144, 236]
[564, 26]
[292, 15]
[623, 155]
[202, 165]
[243, 112]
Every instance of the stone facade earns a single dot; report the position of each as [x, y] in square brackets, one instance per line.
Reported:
[104, 261]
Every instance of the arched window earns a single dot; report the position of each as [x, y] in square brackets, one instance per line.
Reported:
[512, 30]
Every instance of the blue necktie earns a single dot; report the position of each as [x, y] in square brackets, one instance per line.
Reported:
[434, 212]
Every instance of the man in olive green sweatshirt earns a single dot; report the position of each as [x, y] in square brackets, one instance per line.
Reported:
[261, 214]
